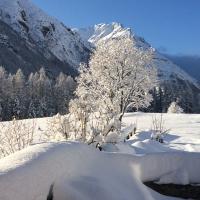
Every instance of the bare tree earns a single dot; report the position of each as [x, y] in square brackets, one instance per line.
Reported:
[158, 128]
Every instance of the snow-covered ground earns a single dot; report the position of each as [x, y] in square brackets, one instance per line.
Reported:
[184, 131]
[81, 172]
[183, 134]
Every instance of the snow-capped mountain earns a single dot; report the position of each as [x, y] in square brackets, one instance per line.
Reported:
[100, 32]
[32, 24]
[103, 32]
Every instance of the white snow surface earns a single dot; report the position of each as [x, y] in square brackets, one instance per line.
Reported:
[104, 32]
[80, 172]
[60, 40]
[183, 134]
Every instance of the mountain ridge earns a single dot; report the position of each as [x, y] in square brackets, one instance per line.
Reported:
[103, 32]
[190, 63]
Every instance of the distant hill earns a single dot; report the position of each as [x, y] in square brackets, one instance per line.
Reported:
[191, 64]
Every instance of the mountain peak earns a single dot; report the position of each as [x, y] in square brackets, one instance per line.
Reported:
[103, 31]
[113, 25]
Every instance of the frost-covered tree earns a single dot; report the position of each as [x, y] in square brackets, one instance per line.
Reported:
[119, 75]
[174, 108]
[58, 128]
[41, 102]
[79, 114]
[3, 91]
[19, 94]
[34, 96]
[63, 89]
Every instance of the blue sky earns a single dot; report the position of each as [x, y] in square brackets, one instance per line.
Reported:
[172, 26]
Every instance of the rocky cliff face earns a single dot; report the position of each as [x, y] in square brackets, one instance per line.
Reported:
[15, 53]
[59, 45]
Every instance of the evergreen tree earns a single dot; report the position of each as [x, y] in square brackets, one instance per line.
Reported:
[19, 94]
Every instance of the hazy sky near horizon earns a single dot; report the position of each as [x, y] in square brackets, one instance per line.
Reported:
[172, 26]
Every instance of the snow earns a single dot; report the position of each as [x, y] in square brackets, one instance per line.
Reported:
[179, 176]
[100, 32]
[81, 172]
[183, 135]
[78, 171]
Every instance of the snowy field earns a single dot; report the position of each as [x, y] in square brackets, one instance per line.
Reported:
[81, 172]
[183, 134]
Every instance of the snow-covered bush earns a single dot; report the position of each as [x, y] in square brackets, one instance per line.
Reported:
[79, 117]
[174, 108]
[119, 76]
[158, 128]
[16, 135]
[58, 128]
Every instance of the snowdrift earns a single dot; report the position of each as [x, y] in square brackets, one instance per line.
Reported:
[83, 173]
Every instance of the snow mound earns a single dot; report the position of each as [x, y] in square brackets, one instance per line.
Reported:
[149, 146]
[138, 148]
[79, 172]
[161, 166]
[179, 176]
